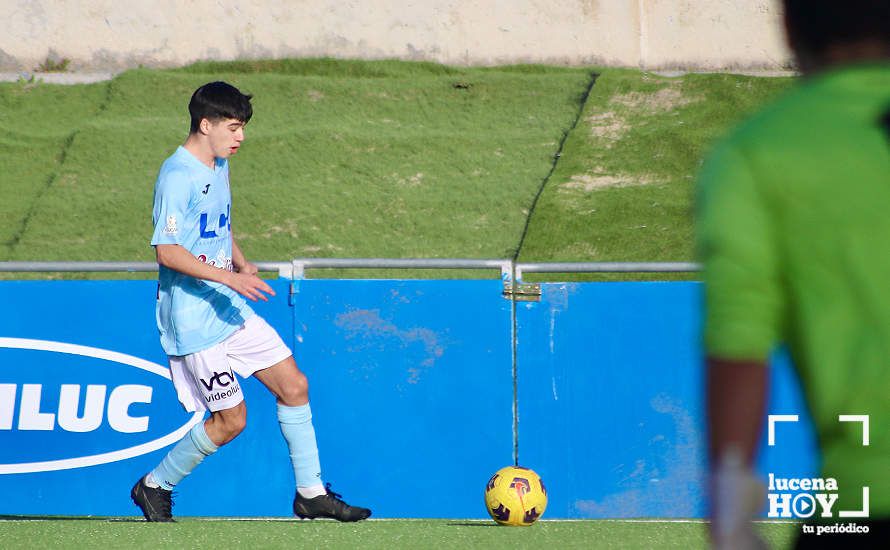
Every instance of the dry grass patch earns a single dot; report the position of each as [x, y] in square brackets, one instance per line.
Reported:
[613, 125]
[665, 99]
[593, 182]
[607, 125]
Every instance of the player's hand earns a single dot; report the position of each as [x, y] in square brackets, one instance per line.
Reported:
[249, 286]
[248, 269]
[736, 495]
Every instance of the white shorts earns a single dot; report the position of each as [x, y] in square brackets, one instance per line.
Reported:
[206, 379]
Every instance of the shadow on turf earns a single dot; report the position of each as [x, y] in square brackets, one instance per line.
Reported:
[471, 524]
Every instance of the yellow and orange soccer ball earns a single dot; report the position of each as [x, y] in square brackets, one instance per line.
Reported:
[515, 496]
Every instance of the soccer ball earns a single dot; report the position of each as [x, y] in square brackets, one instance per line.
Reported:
[515, 496]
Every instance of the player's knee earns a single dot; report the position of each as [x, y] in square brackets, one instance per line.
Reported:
[230, 431]
[296, 392]
[238, 423]
[232, 422]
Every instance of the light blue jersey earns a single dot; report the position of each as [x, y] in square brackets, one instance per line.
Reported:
[192, 208]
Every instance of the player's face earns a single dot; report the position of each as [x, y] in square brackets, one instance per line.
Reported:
[225, 137]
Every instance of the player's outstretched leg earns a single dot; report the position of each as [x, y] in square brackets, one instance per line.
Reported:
[328, 505]
[313, 498]
[156, 503]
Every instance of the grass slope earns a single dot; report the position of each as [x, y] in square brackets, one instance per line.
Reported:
[622, 190]
[194, 533]
[341, 159]
[39, 122]
[377, 159]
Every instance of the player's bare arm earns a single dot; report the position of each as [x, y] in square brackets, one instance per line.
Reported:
[179, 259]
[736, 405]
[240, 261]
[736, 397]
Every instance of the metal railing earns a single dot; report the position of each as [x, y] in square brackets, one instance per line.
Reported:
[606, 267]
[300, 265]
[296, 269]
[283, 268]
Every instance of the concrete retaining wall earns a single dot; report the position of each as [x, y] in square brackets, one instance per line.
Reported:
[111, 35]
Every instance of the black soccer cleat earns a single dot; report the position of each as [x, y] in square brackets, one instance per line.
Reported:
[156, 503]
[328, 505]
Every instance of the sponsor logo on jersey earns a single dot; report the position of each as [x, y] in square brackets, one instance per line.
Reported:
[170, 228]
[212, 226]
[222, 261]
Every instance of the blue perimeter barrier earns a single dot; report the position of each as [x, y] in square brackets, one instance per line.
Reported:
[412, 392]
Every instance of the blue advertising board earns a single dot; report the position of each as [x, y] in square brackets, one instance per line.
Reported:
[611, 401]
[410, 397]
[412, 392]
[86, 403]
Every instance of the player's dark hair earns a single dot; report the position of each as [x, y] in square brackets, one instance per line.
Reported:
[816, 24]
[216, 101]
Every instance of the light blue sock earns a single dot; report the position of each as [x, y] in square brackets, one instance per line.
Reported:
[296, 427]
[184, 457]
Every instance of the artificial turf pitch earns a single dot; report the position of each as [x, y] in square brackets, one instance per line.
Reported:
[134, 533]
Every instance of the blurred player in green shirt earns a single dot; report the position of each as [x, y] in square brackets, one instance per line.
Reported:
[793, 221]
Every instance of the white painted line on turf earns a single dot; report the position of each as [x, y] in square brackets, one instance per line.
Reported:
[551, 520]
[393, 520]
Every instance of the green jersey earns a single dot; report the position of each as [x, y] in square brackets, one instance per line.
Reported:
[794, 234]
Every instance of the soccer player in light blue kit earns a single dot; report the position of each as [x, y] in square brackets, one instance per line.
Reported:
[208, 330]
